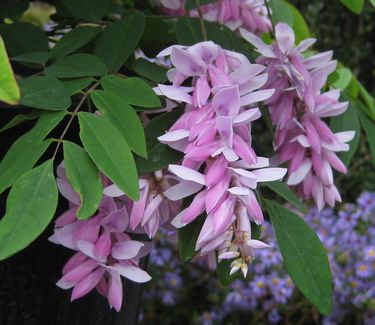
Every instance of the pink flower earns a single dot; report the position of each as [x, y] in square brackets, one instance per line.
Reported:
[248, 14]
[214, 133]
[297, 109]
[104, 248]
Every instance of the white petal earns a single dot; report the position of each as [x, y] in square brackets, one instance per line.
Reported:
[113, 191]
[298, 176]
[269, 174]
[187, 174]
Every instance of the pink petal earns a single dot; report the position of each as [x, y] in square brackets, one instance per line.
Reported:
[115, 290]
[187, 63]
[179, 94]
[126, 249]
[285, 37]
[87, 284]
[256, 96]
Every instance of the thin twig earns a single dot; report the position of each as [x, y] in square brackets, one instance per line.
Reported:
[73, 115]
[201, 20]
[270, 15]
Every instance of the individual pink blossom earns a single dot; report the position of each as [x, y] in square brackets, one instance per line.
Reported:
[298, 107]
[235, 14]
[220, 168]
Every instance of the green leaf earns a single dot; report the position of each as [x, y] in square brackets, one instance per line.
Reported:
[285, 192]
[368, 100]
[44, 92]
[76, 66]
[340, 78]
[223, 273]
[283, 11]
[119, 40]
[132, 90]
[189, 32]
[74, 40]
[305, 258]
[91, 10]
[192, 4]
[372, 2]
[21, 38]
[159, 155]
[9, 91]
[33, 60]
[369, 128]
[11, 8]
[20, 118]
[110, 152]
[152, 43]
[355, 6]
[30, 207]
[27, 149]
[348, 121]
[150, 71]
[84, 178]
[74, 86]
[123, 117]
[187, 238]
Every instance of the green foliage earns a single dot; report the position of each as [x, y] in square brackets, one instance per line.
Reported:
[285, 192]
[35, 60]
[284, 11]
[123, 117]
[159, 155]
[132, 90]
[187, 238]
[9, 91]
[348, 121]
[369, 128]
[355, 6]
[340, 78]
[26, 150]
[44, 92]
[76, 66]
[21, 38]
[108, 149]
[189, 32]
[305, 258]
[84, 178]
[74, 40]
[30, 207]
[10, 8]
[20, 118]
[119, 40]
[192, 4]
[91, 10]
[150, 71]
[74, 86]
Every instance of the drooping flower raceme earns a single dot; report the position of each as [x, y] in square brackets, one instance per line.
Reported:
[248, 14]
[103, 244]
[298, 108]
[214, 133]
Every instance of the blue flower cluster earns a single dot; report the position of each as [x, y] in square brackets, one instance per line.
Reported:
[269, 295]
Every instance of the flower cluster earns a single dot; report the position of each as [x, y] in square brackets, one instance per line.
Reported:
[103, 244]
[214, 133]
[298, 108]
[269, 294]
[235, 14]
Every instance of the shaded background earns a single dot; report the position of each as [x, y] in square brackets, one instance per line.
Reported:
[28, 294]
